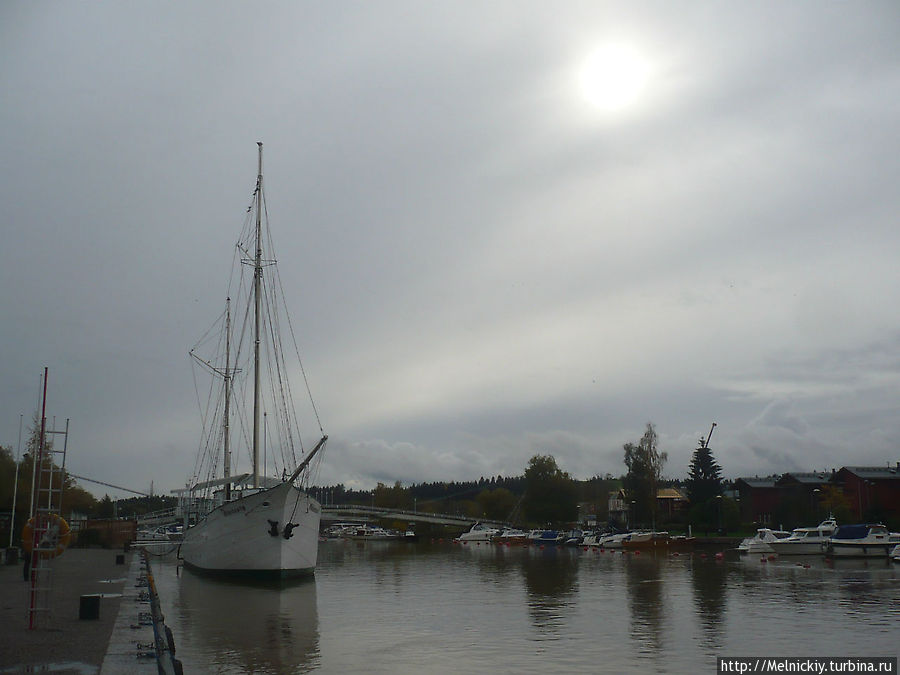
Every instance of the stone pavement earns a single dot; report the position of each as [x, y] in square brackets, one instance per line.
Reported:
[64, 643]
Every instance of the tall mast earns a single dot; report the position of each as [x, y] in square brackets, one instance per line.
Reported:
[227, 441]
[257, 297]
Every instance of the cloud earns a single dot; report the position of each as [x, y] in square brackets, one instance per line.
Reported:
[481, 267]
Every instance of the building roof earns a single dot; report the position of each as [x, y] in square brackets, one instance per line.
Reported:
[874, 472]
[757, 482]
[811, 478]
[669, 493]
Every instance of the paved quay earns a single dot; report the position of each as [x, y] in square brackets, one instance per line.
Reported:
[66, 643]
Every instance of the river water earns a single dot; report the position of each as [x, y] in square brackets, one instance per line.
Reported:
[437, 607]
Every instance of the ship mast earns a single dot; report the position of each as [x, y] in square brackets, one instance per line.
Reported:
[257, 297]
[227, 444]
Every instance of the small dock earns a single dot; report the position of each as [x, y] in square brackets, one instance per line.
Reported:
[103, 617]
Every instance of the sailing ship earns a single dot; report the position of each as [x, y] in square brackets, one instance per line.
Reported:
[251, 524]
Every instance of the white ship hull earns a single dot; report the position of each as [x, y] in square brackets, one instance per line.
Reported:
[813, 547]
[860, 549]
[239, 538]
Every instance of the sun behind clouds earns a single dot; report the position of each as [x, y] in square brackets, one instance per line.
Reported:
[613, 76]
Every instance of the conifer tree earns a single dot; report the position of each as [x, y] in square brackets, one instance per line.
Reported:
[704, 476]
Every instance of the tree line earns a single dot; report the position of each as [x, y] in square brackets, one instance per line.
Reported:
[542, 495]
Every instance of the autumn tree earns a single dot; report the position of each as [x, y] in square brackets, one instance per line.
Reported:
[833, 502]
[644, 462]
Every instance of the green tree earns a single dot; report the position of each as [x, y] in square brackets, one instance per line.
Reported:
[7, 478]
[396, 497]
[644, 462]
[105, 507]
[551, 495]
[704, 476]
[496, 504]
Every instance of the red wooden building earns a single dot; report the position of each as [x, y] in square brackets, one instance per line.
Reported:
[873, 491]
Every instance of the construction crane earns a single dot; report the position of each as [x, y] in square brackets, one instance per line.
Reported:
[705, 443]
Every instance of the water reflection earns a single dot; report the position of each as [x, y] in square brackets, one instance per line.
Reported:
[250, 628]
[435, 607]
[551, 580]
[709, 581]
[644, 583]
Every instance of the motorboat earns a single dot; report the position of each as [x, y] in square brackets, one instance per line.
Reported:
[573, 538]
[371, 533]
[339, 530]
[549, 538]
[613, 540]
[591, 539]
[646, 540]
[533, 535]
[864, 540]
[806, 540]
[477, 533]
[761, 542]
[895, 554]
[510, 535]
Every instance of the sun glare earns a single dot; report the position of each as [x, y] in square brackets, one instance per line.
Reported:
[613, 77]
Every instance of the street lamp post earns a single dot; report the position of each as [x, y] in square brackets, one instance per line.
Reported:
[719, 502]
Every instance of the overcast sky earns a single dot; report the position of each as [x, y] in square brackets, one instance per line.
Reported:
[490, 251]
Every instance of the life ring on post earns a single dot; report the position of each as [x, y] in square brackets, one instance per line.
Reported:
[54, 539]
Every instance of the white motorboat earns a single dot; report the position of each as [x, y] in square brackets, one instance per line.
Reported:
[806, 540]
[895, 554]
[613, 540]
[646, 540]
[253, 524]
[477, 533]
[865, 540]
[371, 533]
[591, 539]
[761, 542]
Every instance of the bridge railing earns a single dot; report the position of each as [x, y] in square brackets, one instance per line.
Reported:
[406, 514]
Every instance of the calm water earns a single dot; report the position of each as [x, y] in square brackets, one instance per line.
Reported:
[380, 607]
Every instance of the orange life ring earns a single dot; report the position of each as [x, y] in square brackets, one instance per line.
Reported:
[54, 539]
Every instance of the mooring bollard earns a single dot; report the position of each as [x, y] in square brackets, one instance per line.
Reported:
[89, 608]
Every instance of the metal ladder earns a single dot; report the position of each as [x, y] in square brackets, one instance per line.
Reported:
[48, 527]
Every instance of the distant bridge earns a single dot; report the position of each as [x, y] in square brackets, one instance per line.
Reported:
[348, 511]
[344, 512]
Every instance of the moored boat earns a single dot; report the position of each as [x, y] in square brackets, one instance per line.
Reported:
[477, 533]
[613, 540]
[511, 536]
[895, 553]
[573, 537]
[646, 540]
[252, 524]
[371, 533]
[863, 540]
[806, 540]
[549, 538]
[761, 542]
